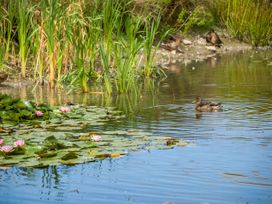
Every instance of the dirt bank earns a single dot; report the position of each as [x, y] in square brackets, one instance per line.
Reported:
[197, 49]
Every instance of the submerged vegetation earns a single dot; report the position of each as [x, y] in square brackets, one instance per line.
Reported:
[112, 42]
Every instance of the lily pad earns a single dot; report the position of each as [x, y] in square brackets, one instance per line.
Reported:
[69, 138]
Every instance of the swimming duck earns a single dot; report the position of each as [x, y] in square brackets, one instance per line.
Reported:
[172, 43]
[3, 77]
[205, 106]
[213, 38]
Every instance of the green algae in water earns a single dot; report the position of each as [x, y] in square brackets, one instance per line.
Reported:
[65, 138]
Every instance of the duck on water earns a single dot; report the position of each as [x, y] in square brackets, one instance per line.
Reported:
[206, 106]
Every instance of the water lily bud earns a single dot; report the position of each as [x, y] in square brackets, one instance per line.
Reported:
[1, 141]
[38, 113]
[64, 109]
[19, 143]
[6, 149]
[96, 138]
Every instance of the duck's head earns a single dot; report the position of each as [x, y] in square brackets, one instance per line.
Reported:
[197, 100]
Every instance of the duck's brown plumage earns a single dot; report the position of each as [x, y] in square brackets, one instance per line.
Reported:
[205, 106]
[213, 38]
[3, 77]
[172, 43]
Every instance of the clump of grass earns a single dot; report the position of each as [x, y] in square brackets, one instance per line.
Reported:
[247, 20]
[8, 18]
[51, 8]
[78, 41]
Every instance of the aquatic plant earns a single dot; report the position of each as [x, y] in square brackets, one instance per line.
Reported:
[8, 18]
[19, 143]
[248, 20]
[23, 33]
[96, 138]
[38, 113]
[106, 69]
[151, 29]
[73, 43]
[150, 48]
[51, 13]
[81, 43]
[14, 109]
[125, 56]
[1, 141]
[6, 149]
[69, 139]
[64, 109]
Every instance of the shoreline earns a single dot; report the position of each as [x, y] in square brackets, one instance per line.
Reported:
[191, 49]
[197, 49]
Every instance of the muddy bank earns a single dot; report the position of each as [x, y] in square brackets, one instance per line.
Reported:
[197, 49]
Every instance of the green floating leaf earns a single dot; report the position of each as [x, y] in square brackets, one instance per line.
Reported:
[70, 155]
[69, 138]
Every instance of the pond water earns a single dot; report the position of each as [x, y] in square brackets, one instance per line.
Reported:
[229, 159]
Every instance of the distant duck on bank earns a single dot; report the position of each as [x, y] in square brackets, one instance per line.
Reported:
[213, 38]
[172, 43]
[205, 106]
[3, 77]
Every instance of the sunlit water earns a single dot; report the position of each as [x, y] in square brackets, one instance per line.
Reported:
[229, 161]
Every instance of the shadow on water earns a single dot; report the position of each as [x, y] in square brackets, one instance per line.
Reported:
[229, 161]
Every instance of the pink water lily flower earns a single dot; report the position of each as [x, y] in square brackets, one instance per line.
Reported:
[96, 138]
[38, 113]
[6, 149]
[19, 143]
[64, 109]
[1, 141]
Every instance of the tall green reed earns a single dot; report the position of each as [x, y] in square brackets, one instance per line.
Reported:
[8, 19]
[74, 40]
[248, 20]
[260, 27]
[125, 56]
[23, 33]
[79, 40]
[110, 17]
[94, 21]
[50, 11]
[106, 69]
[150, 48]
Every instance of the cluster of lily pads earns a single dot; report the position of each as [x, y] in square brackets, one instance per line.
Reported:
[16, 110]
[68, 135]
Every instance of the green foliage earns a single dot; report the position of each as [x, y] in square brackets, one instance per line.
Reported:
[200, 19]
[248, 20]
[187, 15]
[68, 138]
[79, 42]
[23, 33]
[16, 110]
[76, 41]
